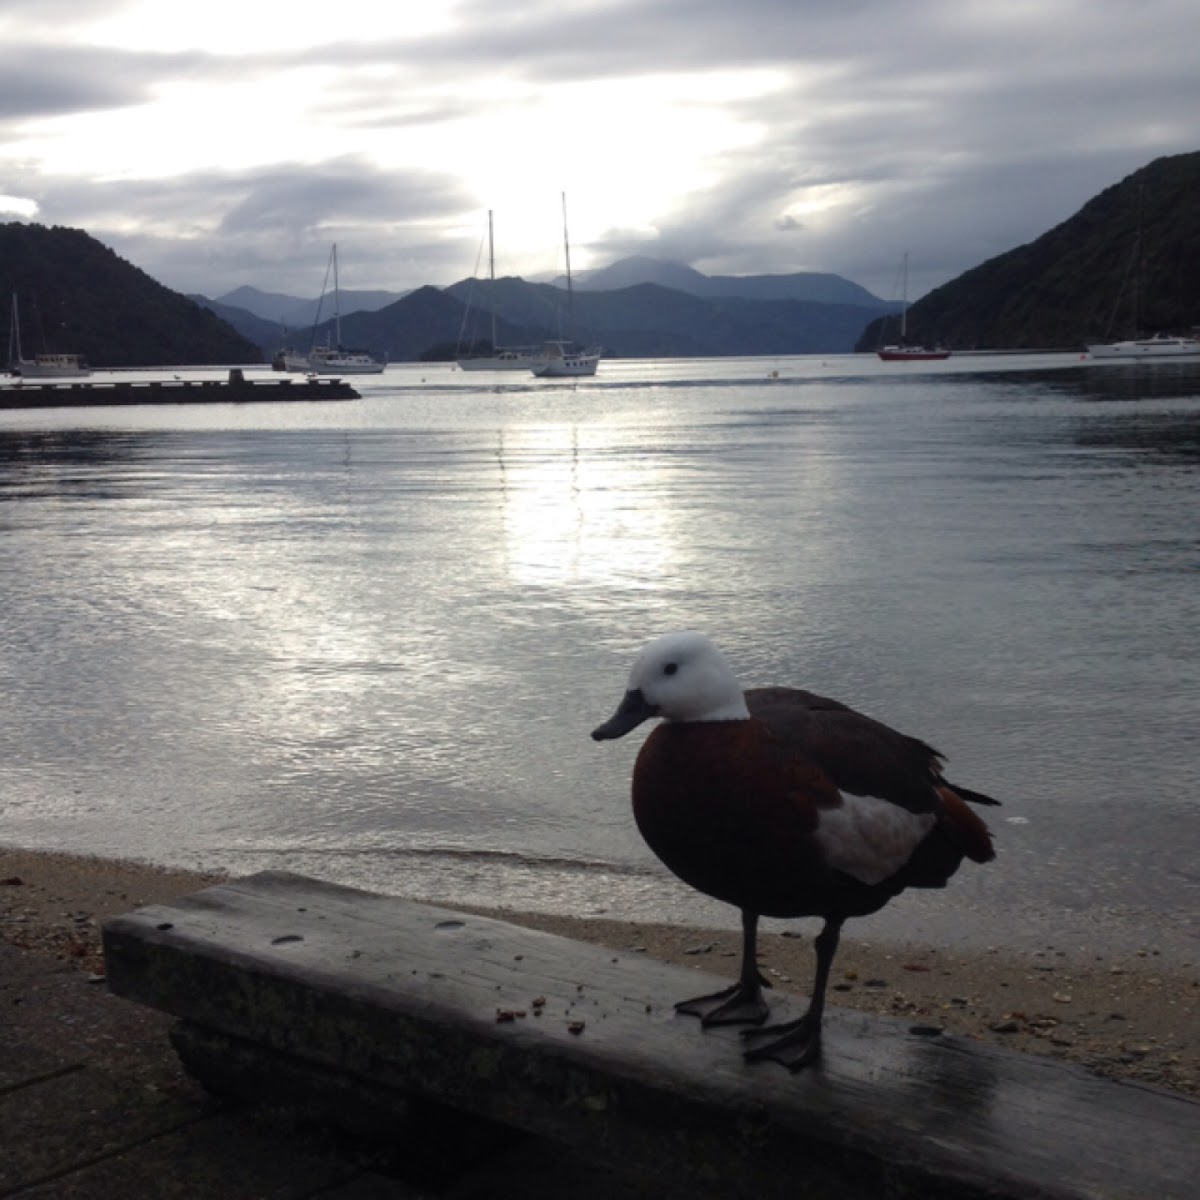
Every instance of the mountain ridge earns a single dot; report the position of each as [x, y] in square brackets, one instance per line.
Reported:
[295, 312]
[818, 287]
[815, 286]
[1075, 283]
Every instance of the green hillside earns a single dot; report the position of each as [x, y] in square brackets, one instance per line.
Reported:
[76, 296]
[1127, 262]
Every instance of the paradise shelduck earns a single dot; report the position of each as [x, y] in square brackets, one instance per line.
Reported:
[784, 804]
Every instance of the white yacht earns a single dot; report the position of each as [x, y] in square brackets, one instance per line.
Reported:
[1161, 345]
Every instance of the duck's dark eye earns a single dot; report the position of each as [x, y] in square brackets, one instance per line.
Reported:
[670, 668]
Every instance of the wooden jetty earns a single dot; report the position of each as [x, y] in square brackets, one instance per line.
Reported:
[359, 1007]
[236, 389]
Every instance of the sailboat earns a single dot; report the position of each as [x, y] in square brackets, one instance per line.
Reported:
[41, 366]
[563, 358]
[1161, 345]
[332, 359]
[903, 352]
[500, 358]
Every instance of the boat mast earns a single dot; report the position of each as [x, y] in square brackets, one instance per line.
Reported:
[492, 279]
[570, 291]
[337, 305]
[14, 335]
[904, 299]
[1139, 265]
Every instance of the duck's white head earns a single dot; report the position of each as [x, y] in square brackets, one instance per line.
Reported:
[680, 677]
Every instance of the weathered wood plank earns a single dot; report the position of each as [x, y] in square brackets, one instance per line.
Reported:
[408, 996]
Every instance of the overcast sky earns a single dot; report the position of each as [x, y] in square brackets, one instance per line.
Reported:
[231, 142]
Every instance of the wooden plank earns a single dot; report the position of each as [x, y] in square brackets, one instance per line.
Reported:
[408, 996]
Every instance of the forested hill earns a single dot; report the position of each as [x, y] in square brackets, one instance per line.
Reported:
[1127, 262]
[76, 296]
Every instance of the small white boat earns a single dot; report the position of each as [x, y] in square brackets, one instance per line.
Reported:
[904, 351]
[564, 359]
[52, 366]
[495, 358]
[1160, 345]
[41, 366]
[907, 353]
[333, 359]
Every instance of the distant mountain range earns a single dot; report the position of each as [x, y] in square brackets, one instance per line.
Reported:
[638, 307]
[810, 286]
[1128, 260]
[293, 313]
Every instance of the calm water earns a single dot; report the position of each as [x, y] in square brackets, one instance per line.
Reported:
[368, 641]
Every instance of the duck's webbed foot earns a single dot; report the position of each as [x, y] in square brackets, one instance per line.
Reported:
[737, 1005]
[793, 1044]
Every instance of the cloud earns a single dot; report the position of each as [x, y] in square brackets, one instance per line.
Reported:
[768, 136]
[18, 206]
[52, 85]
[210, 232]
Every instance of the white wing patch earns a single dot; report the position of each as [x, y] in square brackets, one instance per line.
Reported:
[870, 839]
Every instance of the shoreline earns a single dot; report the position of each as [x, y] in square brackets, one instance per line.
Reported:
[1134, 1017]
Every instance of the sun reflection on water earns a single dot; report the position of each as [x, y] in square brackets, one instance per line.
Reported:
[575, 512]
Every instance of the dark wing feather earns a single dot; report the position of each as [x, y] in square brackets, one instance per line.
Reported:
[862, 756]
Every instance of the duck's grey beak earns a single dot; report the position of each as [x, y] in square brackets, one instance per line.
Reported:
[631, 712]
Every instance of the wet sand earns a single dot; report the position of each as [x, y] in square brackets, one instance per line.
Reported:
[1127, 1016]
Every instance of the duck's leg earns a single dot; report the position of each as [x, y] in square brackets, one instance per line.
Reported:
[743, 1003]
[797, 1043]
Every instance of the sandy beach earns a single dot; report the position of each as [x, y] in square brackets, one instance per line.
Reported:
[1134, 1017]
